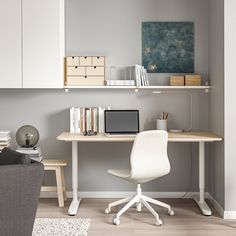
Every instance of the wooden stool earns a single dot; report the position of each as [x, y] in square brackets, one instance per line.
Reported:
[57, 166]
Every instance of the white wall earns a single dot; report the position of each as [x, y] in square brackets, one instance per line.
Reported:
[230, 108]
[113, 28]
[216, 103]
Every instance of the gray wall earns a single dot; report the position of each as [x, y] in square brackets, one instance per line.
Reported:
[216, 102]
[113, 28]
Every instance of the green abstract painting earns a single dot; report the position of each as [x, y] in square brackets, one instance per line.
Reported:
[168, 47]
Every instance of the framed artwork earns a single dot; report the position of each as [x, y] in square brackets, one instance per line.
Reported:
[168, 47]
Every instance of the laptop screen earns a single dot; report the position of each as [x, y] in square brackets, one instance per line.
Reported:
[121, 121]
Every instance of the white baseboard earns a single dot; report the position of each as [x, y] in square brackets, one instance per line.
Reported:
[216, 205]
[226, 215]
[230, 215]
[106, 194]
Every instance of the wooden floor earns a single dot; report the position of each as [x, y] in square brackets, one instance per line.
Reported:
[187, 220]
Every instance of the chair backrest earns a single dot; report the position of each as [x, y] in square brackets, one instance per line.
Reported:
[149, 158]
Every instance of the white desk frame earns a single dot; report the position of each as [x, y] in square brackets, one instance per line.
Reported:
[200, 137]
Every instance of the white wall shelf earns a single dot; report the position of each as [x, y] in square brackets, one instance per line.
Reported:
[168, 88]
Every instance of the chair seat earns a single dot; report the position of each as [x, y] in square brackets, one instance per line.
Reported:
[124, 173]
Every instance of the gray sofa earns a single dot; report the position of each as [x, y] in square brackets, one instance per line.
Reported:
[20, 183]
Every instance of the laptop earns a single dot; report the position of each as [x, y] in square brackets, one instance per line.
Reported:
[121, 122]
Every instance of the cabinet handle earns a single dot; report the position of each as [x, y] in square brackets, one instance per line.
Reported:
[76, 67]
[85, 57]
[85, 77]
[97, 57]
[95, 67]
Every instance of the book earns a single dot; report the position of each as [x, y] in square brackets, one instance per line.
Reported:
[94, 119]
[72, 121]
[101, 128]
[77, 120]
[83, 127]
[146, 77]
[141, 77]
[35, 153]
[88, 119]
[30, 151]
[5, 133]
[5, 139]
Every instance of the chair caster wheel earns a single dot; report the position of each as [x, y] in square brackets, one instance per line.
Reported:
[159, 222]
[171, 212]
[107, 210]
[116, 221]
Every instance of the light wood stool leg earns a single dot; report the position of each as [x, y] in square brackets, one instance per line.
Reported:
[59, 187]
[63, 183]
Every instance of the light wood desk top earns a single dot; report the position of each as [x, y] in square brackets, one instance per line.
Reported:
[173, 137]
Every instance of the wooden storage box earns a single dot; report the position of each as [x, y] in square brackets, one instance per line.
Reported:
[85, 71]
[177, 80]
[193, 80]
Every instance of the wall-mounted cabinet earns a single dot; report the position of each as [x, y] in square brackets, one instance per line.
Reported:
[43, 43]
[10, 44]
[32, 44]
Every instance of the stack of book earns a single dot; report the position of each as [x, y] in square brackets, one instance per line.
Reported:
[5, 139]
[35, 153]
[141, 76]
[87, 120]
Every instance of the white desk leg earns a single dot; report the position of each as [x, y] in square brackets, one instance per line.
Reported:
[200, 200]
[76, 201]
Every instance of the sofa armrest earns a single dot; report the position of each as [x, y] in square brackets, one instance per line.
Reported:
[20, 188]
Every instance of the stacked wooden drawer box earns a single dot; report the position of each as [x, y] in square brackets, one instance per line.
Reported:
[85, 71]
[177, 80]
[193, 80]
[186, 80]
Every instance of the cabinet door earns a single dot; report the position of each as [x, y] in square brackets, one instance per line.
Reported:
[43, 43]
[10, 44]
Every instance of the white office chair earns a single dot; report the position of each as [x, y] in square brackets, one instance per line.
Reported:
[148, 161]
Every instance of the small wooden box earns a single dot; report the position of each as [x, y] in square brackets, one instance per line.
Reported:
[177, 80]
[85, 71]
[193, 80]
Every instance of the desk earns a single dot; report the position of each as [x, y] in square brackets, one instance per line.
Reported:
[199, 137]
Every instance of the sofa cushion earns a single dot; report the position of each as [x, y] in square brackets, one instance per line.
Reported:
[11, 157]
